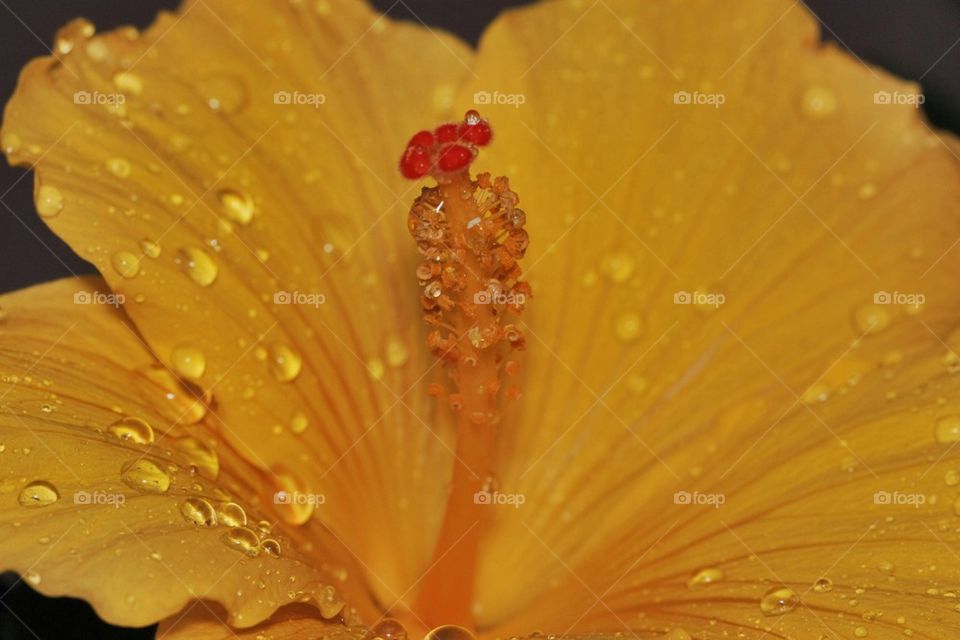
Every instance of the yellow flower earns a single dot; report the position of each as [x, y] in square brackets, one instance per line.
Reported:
[738, 408]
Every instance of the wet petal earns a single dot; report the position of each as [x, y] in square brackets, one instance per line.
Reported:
[705, 266]
[290, 623]
[232, 171]
[114, 487]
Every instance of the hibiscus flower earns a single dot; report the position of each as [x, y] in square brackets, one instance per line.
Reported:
[715, 397]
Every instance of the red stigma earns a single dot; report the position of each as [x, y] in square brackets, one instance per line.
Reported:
[449, 148]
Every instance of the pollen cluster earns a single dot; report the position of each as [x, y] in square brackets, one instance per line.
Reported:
[470, 272]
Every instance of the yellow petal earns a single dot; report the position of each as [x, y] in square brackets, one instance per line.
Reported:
[291, 623]
[232, 172]
[798, 199]
[109, 489]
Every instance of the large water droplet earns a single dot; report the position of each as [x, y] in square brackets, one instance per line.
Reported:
[387, 629]
[449, 632]
[39, 493]
[232, 515]
[705, 578]
[49, 201]
[188, 361]
[144, 475]
[199, 512]
[285, 362]
[823, 585]
[271, 547]
[237, 207]
[198, 264]
[948, 429]
[125, 263]
[778, 601]
[243, 540]
[132, 429]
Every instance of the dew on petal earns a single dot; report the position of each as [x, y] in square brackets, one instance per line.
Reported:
[948, 429]
[285, 362]
[823, 585]
[299, 423]
[38, 494]
[188, 361]
[119, 167]
[199, 512]
[628, 326]
[397, 353]
[232, 515]
[618, 266]
[705, 578]
[387, 629]
[223, 93]
[132, 429]
[198, 264]
[449, 632]
[237, 207]
[271, 547]
[145, 476]
[128, 82]
[778, 601]
[125, 263]
[871, 318]
[677, 634]
[818, 102]
[49, 201]
[330, 602]
[243, 540]
[150, 248]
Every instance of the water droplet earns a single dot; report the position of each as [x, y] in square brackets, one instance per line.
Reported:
[705, 578]
[871, 318]
[948, 429]
[860, 632]
[618, 266]
[188, 361]
[198, 264]
[243, 540]
[32, 577]
[677, 634]
[223, 93]
[67, 36]
[144, 475]
[150, 248]
[867, 191]
[778, 601]
[198, 454]
[823, 585]
[285, 362]
[232, 515]
[628, 326]
[49, 201]
[449, 632]
[818, 103]
[236, 206]
[38, 494]
[397, 353]
[125, 263]
[128, 82]
[199, 512]
[271, 547]
[952, 478]
[388, 629]
[10, 142]
[132, 429]
[118, 167]
[299, 423]
[375, 368]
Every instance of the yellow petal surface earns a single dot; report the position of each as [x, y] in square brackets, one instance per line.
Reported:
[731, 233]
[291, 623]
[114, 489]
[232, 172]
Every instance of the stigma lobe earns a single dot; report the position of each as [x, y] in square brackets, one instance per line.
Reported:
[449, 148]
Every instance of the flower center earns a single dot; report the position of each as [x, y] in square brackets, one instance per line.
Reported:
[470, 234]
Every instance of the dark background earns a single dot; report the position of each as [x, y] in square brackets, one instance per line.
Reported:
[917, 39]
